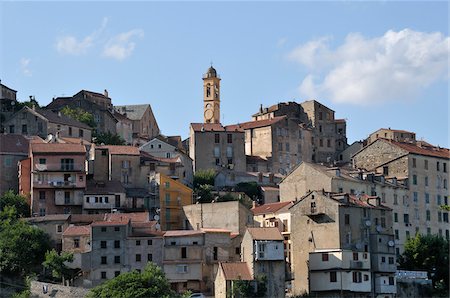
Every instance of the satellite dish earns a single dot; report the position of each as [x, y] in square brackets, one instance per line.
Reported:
[158, 226]
[368, 223]
[379, 228]
[358, 245]
[391, 243]
[156, 217]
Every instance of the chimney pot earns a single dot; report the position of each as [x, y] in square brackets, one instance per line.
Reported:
[106, 93]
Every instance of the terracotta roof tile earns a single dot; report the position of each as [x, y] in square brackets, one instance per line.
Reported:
[261, 123]
[265, 233]
[427, 151]
[16, 144]
[210, 127]
[181, 233]
[236, 271]
[122, 222]
[77, 231]
[58, 148]
[270, 208]
[121, 150]
[211, 230]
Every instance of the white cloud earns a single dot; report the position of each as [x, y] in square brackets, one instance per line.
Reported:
[24, 66]
[72, 46]
[395, 66]
[122, 45]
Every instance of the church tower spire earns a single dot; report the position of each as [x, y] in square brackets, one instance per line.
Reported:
[211, 96]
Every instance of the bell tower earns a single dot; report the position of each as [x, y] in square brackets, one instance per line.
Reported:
[211, 96]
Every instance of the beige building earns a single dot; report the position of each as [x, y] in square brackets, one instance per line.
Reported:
[282, 141]
[104, 197]
[191, 257]
[328, 134]
[124, 128]
[143, 122]
[262, 250]
[211, 96]
[343, 245]
[392, 134]
[393, 192]
[426, 170]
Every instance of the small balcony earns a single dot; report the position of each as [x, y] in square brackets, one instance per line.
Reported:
[60, 167]
[54, 184]
[385, 289]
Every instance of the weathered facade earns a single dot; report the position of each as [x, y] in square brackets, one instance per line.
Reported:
[13, 148]
[143, 122]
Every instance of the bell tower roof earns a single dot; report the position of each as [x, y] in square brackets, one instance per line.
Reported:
[210, 73]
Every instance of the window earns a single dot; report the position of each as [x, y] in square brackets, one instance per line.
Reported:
[182, 269]
[216, 138]
[229, 138]
[383, 259]
[237, 250]
[138, 242]
[355, 256]
[320, 116]
[125, 164]
[67, 197]
[414, 179]
[280, 146]
[438, 200]
[320, 142]
[42, 161]
[426, 180]
[391, 280]
[24, 129]
[287, 147]
[325, 257]
[116, 229]
[11, 129]
[103, 260]
[103, 274]
[437, 166]
[76, 242]
[366, 277]
[215, 253]
[102, 244]
[408, 235]
[184, 252]
[427, 198]
[103, 229]
[116, 273]
[116, 259]
[391, 260]
[395, 217]
[425, 164]
[149, 257]
[81, 134]
[395, 199]
[333, 277]
[229, 151]
[445, 216]
[347, 219]
[116, 243]
[41, 195]
[357, 277]
[444, 165]
[59, 228]
[138, 257]
[67, 164]
[386, 171]
[406, 218]
[415, 196]
[328, 143]
[414, 163]
[149, 242]
[396, 234]
[229, 161]
[70, 131]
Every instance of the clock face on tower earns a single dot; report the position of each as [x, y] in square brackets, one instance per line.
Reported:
[208, 114]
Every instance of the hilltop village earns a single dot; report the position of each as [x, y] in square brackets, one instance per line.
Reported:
[281, 202]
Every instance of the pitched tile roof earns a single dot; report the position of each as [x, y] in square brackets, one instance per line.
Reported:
[261, 123]
[120, 150]
[122, 222]
[270, 208]
[58, 148]
[133, 112]
[86, 218]
[236, 271]
[424, 150]
[210, 127]
[50, 217]
[212, 230]
[135, 217]
[61, 119]
[15, 144]
[182, 233]
[265, 233]
[77, 231]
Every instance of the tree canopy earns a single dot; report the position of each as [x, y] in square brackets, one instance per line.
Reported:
[202, 177]
[56, 263]
[80, 115]
[107, 138]
[10, 199]
[428, 253]
[150, 283]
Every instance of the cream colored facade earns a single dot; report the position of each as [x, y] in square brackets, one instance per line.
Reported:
[211, 96]
[426, 170]
[336, 225]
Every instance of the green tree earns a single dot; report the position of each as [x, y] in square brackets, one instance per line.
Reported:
[56, 263]
[251, 189]
[107, 138]
[202, 177]
[428, 253]
[29, 103]
[150, 283]
[246, 288]
[204, 193]
[22, 247]
[10, 199]
[80, 115]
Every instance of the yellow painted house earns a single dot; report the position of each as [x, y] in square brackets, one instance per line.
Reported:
[173, 195]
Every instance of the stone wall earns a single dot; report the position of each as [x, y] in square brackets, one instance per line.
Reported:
[55, 290]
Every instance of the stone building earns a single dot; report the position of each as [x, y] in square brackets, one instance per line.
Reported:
[169, 151]
[392, 134]
[8, 102]
[211, 96]
[282, 141]
[13, 148]
[393, 192]
[104, 197]
[40, 122]
[227, 274]
[328, 134]
[426, 170]
[57, 177]
[262, 250]
[124, 128]
[343, 245]
[99, 105]
[213, 146]
[53, 225]
[143, 122]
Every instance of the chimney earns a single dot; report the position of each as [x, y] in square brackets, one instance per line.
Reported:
[59, 114]
[106, 93]
[253, 204]
[261, 108]
[33, 106]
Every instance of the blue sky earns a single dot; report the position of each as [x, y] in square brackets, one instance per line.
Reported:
[377, 64]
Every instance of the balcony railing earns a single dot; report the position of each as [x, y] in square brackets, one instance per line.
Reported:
[57, 184]
[60, 167]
